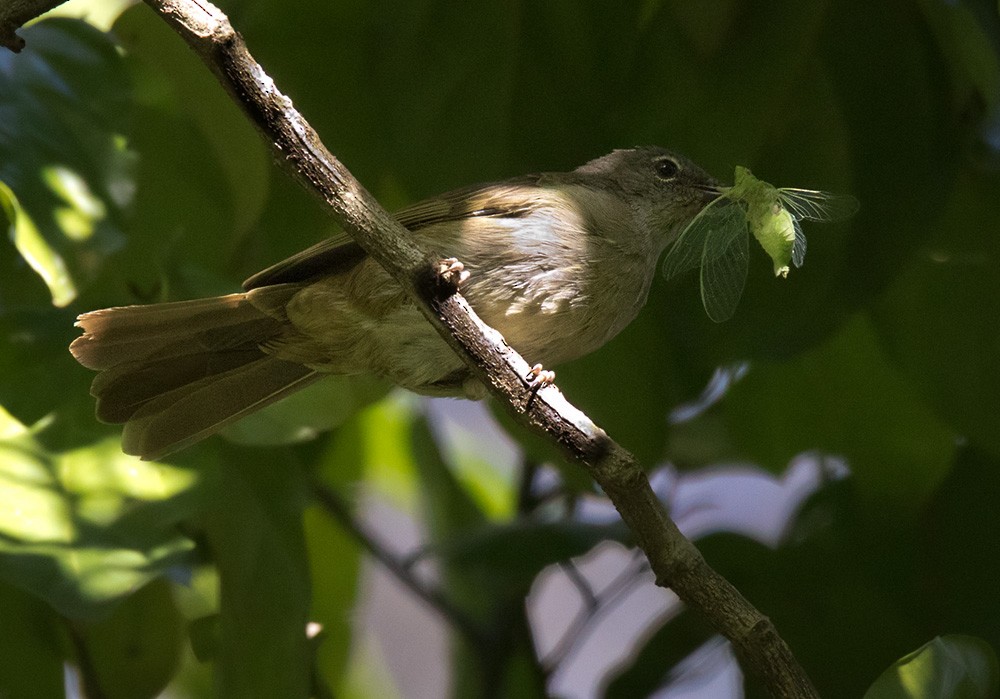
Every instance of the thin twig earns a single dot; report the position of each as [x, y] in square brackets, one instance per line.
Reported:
[526, 497]
[338, 509]
[596, 605]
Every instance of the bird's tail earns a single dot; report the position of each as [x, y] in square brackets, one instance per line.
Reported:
[176, 373]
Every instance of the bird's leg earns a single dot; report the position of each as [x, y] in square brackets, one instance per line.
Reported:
[538, 378]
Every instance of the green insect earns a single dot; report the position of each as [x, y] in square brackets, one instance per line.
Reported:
[716, 239]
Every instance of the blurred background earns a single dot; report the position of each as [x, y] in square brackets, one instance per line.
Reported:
[834, 447]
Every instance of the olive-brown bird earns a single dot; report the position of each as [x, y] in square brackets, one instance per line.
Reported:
[559, 263]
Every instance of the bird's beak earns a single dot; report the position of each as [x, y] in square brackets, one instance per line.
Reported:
[710, 191]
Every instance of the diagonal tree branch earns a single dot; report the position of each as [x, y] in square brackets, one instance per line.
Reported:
[675, 561]
[14, 13]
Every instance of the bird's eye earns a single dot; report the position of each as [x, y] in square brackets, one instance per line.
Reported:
[667, 168]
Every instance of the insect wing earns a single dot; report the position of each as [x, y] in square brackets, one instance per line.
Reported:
[812, 205]
[686, 252]
[724, 263]
[799, 246]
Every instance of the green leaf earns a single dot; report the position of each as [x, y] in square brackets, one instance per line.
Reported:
[649, 668]
[173, 77]
[254, 528]
[845, 398]
[507, 558]
[947, 667]
[83, 529]
[335, 557]
[449, 508]
[33, 350]
[35, 250]
[204, 635]
[62, 152]
[306, 414]
[967, 37]
[99, 13]
[938, 321]
[32, 646]
[136, 650]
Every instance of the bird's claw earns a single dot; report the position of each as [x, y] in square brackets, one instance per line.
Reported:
[540, 377]
[452, 271]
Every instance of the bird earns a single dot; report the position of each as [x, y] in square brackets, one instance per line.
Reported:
[559, 263]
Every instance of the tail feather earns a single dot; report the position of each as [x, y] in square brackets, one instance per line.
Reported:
[177, 372]
[188, 414]
[113, 336]
[123, 389]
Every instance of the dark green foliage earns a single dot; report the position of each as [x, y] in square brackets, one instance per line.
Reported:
[127, 176]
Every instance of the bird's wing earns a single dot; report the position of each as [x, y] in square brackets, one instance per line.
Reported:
[340, 253]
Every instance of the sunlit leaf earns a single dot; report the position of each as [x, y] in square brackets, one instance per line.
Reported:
[335, 557]
[64, 102]
[35, 250]
[85, 528]
[948, 667]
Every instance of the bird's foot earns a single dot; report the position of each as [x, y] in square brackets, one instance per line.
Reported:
[452, 271]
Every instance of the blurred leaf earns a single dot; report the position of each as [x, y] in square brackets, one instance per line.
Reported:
[335, 557]
[399, 126]
[39, 373]
[31, 645]
[35, 249]
[304, 415]
[844, 398]
[204, 635]
[134, 652]
[947, 667]
[64, 105]
[649, 668]
[911, 125]
[835, 576]
[100, 13]
[335, 563]
[449, 508]
[171, 75]
[480, 454]
[254, 528]
[939, 319]
[778, 40]
[384, 438]
[507, 656]
[959, 570]
[507, 558]
[967, 34]
[85, 528]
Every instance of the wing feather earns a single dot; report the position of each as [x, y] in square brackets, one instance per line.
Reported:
[340, 253]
